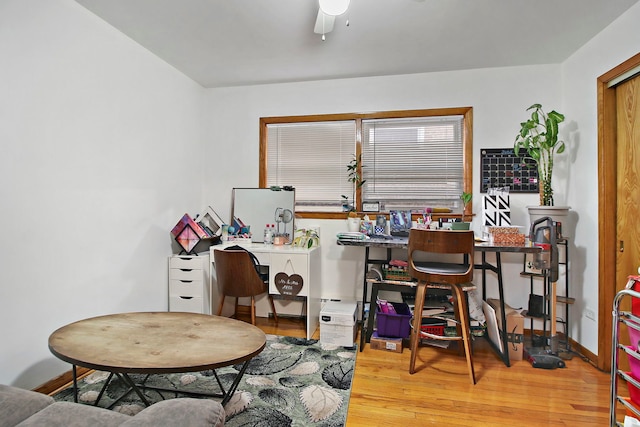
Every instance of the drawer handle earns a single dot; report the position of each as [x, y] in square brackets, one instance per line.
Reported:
[186, 281]
[186, 297]
[186, 269]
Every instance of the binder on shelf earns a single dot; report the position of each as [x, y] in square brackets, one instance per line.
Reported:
[212, 220]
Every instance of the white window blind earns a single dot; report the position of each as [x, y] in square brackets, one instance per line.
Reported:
[414, 162]
[313, 158]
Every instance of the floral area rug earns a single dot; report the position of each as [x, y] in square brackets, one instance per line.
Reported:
[293, 382]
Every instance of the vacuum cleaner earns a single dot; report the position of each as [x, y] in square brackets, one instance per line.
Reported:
[543, 234]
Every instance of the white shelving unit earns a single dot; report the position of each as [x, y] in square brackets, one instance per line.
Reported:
[618, 401]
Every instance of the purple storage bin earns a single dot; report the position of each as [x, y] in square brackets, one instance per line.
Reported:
[396, 325]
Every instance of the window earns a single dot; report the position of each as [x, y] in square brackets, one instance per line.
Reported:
[410, 163]
[311, 158]
[411, 159]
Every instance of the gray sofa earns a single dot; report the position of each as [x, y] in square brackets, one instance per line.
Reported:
[24, 408]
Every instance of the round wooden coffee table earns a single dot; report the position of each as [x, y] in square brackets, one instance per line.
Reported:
[157, 342]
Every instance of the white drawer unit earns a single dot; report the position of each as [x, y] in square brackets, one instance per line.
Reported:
[189, 284]
[186, 304]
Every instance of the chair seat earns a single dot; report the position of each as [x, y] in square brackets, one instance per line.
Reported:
[466, 287]
[440, 268]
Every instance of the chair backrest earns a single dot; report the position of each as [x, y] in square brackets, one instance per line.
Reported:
[443, 242]
[236, 273]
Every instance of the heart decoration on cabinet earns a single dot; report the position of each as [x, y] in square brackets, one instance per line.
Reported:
[289, 285]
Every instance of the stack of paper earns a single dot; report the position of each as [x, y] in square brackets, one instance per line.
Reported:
[352, 235]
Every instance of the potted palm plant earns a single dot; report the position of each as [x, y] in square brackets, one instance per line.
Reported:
[354, 177]
[463, 225]
[538, 137]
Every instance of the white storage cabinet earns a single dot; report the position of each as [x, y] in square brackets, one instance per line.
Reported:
[189, 284]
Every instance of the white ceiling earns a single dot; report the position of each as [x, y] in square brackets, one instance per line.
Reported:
[243, 42]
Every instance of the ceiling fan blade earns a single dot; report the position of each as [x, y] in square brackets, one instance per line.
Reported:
[328, 23]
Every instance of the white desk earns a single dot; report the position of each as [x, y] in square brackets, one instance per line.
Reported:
[288, 260]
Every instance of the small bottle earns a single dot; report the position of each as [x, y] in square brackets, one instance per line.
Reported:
[268, 235]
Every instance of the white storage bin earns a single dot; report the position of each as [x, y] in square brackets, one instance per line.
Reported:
[338, 323]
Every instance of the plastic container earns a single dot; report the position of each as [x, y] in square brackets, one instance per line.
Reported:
[634, 363]
[268, 235]
[433, 329]
[628, 411]
[634, 393]
[633, 283]
[634, 337]
[395, 273]
[396, 325]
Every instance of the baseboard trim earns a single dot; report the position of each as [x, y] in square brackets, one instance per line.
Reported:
[574, 346]
[61, 381]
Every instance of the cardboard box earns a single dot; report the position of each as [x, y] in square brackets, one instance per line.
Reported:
[338, 323]
[515, 328]
[388, 344]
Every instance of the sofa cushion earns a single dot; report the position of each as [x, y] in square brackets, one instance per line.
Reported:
[69, 414]
[180, 412]
[17, 404]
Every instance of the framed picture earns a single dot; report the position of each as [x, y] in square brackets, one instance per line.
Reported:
[370, 206]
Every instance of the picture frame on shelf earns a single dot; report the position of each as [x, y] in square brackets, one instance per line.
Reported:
[370, 206]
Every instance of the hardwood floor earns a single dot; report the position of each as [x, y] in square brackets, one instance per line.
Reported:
[385, 394]
[439, 393]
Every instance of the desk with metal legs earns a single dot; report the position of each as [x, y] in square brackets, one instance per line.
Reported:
[155, 343]
[402, 243]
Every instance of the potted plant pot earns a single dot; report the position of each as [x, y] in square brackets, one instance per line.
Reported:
[460, 225]
[556, 213]
[353, 224]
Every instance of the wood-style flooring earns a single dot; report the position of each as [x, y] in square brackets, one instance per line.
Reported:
[385, 394]
[439, 393]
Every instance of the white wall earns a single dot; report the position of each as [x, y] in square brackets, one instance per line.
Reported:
[102, 147]
[99, 158]
[614, 45]
[499, 98]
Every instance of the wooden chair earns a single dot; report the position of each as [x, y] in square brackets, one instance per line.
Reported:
[455, 275]
[237, 277]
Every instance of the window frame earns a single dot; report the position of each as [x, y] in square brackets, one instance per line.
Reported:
[467, 145]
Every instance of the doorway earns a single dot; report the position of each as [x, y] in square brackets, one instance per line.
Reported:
[618, 159]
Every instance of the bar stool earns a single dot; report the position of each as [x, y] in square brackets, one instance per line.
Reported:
[453, 275]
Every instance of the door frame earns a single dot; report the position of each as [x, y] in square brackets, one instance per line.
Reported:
[607, 203]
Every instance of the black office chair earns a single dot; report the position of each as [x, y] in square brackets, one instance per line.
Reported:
[453, 275]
